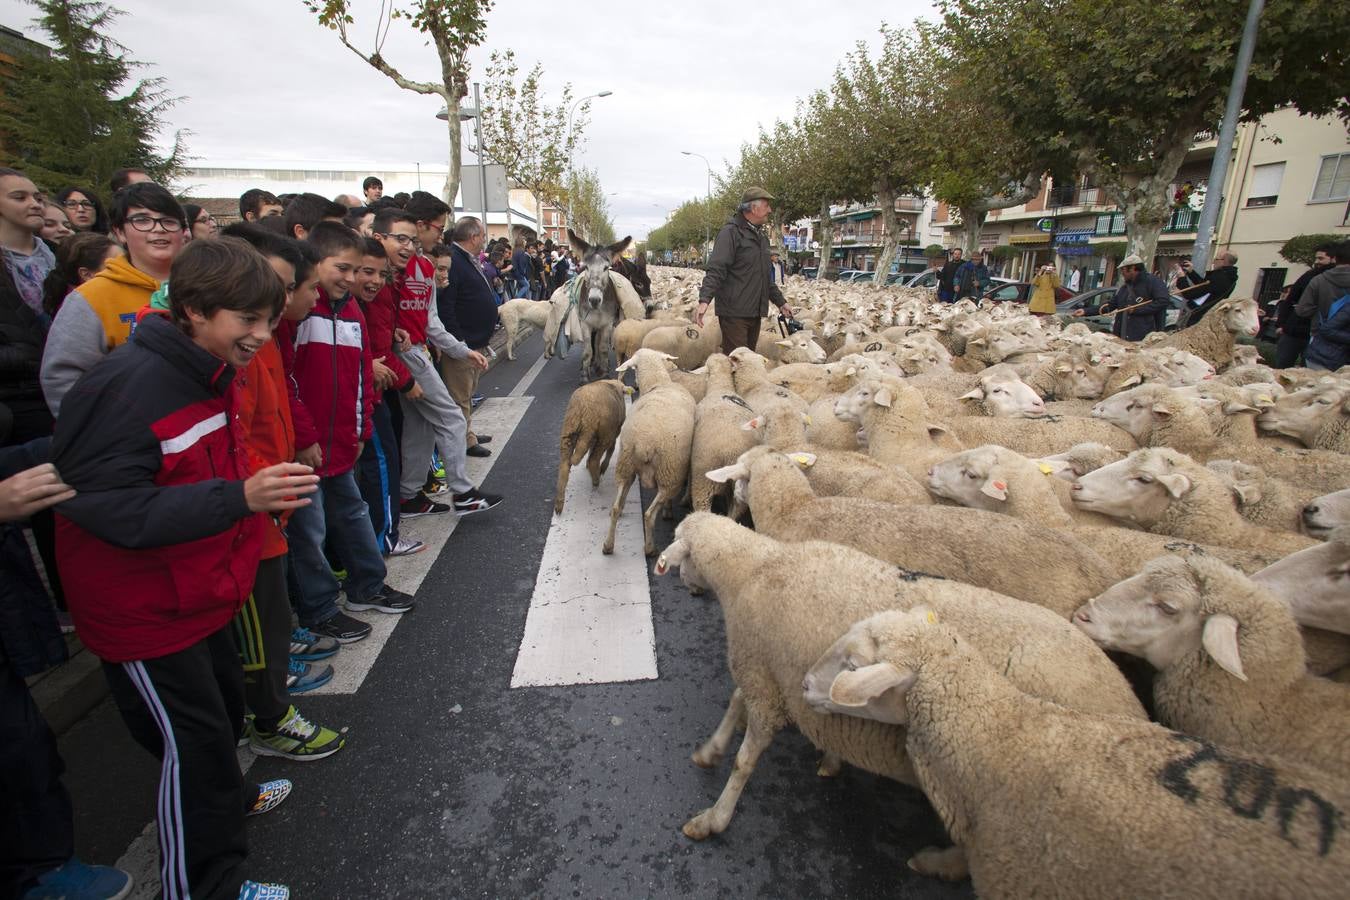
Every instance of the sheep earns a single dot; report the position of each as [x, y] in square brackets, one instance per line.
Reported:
[785, 604]
[1315, 583]
[695, 382]
[1232, 412]
[1044, 801]
[629, 333]
[1212, 338]
[998, 391]
[1318, 415]
[689, 345]
[1324, 513]
[1247, 374]
[1036, 437]
[1022, 560]
[653, 444]
[1067, 376]
[591, 424]
[1166, 492]
[1261, 499]
[752, 382]
[795, 348]
[895, 419]
[1229, 660]
[811, 381]
[718, 437]
[1082, 458]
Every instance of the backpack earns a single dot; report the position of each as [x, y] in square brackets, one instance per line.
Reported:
[1330, 345]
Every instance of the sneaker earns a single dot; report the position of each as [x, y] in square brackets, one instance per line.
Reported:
[405, 547]
[297, 738]
[307, 646]
[258, 890]
[246, 732]
[475, 400]
[474, 500]
[478, 450]
[385, 600]
[437, 469]
[343, 629]
[303, 677]
[340, 575]
[434, 487]
[421, 505]
[270, 795]
[77, 880]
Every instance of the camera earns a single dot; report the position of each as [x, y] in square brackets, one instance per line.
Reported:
[789, 326]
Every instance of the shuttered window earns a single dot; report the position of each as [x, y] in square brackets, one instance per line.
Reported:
[1333, 178]
[1265, 189]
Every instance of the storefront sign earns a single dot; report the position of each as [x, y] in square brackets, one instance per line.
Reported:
[1046, 224]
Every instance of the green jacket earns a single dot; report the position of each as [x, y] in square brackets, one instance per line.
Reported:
[738, 272]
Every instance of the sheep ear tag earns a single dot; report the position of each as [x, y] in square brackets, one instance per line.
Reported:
[1219, 638]
[1046, 468]
[855, 688]
[804, 460]
[996, 489]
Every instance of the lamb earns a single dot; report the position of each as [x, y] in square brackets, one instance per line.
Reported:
[719, 438]
[653, 444]
[591, 424]
[1166, 492]
[1212, 338]
[1262, 499]
[1022, 560]
[1048, 802]
[689, 345]
[1229, 660]
[1318, 415]
[1327, 512]
[629, 333]
[784, 605]
[515, 312]
[1312, 583]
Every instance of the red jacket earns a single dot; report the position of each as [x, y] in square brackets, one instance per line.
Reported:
[416, 292]
[264, 414]
[380, 315]
[327, 358]
[158, 548]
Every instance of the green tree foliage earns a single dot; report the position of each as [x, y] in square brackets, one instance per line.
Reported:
[1125, 85]
[453, 27]
[1301, 247]
[590, 210]
[691, 224]
[79, 114]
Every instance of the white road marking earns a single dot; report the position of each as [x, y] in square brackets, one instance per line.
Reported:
[590, 618]
[528, 378]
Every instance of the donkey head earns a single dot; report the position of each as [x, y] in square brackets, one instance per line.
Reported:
[595, 263]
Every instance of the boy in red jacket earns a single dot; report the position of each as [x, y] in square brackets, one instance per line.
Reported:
[332, 401]
[159, 546]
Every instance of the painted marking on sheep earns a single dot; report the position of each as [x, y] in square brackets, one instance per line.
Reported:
[590, 617]
[738, 401]
[1248, 790]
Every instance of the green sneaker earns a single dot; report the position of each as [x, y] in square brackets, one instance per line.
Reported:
[297, 738]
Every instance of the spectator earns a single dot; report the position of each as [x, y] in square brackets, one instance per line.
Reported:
[401, 199]
[1207, 292]
[777, 271]
[440, 256]
[1293, 329]
[201, 224]
[1140, 303]
[256, 204]
[373, 188]
[1044, 286]
[1076, 279]
[972, 278]
[126, 177]
[27, 259]
[100, 316]
[307, 210]
[161, 542]
[80, 258]
[521, 269]
[84, 210]
[1327, 303]
[493, 273]
[468, 308]
[332, 399]
[55, 224]
[358, 219]
[946, 290]
[562, 269]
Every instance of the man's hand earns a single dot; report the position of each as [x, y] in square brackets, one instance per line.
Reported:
[415, 392]
[478, 359]
[698, 314]
[384, 376]
[785, 310]
[280, 487]
[311, 456]
[30, 491]
[1078, 312]
[402, 343]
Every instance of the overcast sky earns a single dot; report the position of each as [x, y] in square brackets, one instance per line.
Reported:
[260, 79]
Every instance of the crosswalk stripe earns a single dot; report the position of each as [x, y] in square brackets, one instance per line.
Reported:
[590, 617]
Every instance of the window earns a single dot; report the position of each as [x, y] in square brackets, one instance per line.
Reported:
[1333, 178]
[1265, 189]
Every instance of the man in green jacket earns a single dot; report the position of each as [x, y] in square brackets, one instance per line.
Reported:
[738, 274]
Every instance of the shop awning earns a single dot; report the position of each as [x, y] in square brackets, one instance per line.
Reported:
[1042, 240]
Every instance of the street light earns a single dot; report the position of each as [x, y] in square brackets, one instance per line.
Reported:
[567, 135]
[707, 229]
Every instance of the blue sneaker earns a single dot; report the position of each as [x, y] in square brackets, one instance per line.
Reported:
[307, 646]
[270, 796]
[255, 890]
[76, 881]
[304, 677]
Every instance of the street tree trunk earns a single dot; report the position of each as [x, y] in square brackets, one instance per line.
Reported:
[776, 233]
[890, 236]
[453, 125]
[1143, 196]
[826, 240]
[972, 224]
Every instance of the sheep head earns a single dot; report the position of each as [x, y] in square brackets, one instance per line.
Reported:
[972, 478]
[1315, 582]
[1302, 413]
[1138, 409]
[1239, 316]
[1138, 488]
[1324, 513]
[1003, 393]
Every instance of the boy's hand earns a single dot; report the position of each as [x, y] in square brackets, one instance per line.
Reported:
[311, 456]
[415, 392]
[477, 359]
[30, 491]
[280, 487]
[401, 342]
[384, 376]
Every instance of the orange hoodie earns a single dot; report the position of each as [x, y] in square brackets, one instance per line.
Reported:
[264, 410]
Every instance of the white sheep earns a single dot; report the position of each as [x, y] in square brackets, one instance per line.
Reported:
[1324, 513]
[1213, 337]
[1315, 583]
[897, 423]
[1051, 802]
[1082, 458]
[689, 345]
[719, 438]
[629, 333]
[654, 443]
[591, 424]
[750, 371]
[811, 381]
[784, 604]
[1318, 415]
[1229, 659]
[1262, 499]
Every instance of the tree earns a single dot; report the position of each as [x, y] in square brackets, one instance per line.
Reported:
[524, 133]
[69, 118]
[590, 210]
[1302, 247]
[452, 26]
[1126, 99]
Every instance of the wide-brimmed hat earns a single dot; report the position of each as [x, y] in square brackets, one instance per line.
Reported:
[756, 193]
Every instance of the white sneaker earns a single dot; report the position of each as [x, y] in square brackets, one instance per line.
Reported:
[405, 547]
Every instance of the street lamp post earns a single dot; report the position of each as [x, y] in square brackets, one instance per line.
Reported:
[707, 228]
[568, 137]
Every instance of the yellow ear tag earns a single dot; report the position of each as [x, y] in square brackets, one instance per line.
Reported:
[803, 460]
[806, 419]
[932, 617]
[1046, 469]
[628, 390]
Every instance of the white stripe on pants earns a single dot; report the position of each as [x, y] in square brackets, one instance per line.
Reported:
[172, 845]
[433, 421]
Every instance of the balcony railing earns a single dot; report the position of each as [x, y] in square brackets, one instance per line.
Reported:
[1182, 220]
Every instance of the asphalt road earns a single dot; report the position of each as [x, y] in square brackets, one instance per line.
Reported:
[453, 784]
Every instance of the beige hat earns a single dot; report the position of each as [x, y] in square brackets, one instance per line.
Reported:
[756, 193]
[1131, 260]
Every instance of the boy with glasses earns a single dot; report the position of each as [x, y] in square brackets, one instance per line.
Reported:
[101, 314]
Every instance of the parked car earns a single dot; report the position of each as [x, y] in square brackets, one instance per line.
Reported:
[1096, 297]
[808, 272]
[1002, 290]
[925, 279]
[863, 278]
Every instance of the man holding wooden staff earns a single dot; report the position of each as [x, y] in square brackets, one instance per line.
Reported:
[1140, 305]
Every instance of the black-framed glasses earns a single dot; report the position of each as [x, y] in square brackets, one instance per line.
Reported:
[148, 223]
[78, 204]
[404, 240]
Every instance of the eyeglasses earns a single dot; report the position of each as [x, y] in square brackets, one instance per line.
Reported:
[148, 223]
[404, 240]
[78, 204]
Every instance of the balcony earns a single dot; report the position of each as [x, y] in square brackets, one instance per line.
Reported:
[1182, 220]
[909, 204]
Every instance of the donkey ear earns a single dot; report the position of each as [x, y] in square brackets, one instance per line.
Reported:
[578, 244]
[619, 246]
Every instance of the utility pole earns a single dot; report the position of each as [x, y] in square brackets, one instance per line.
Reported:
[482, 162]
[1223, 149]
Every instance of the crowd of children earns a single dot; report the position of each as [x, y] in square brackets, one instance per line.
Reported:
[213, 435]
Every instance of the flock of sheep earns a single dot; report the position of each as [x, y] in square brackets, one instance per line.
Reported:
[1092, 598]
